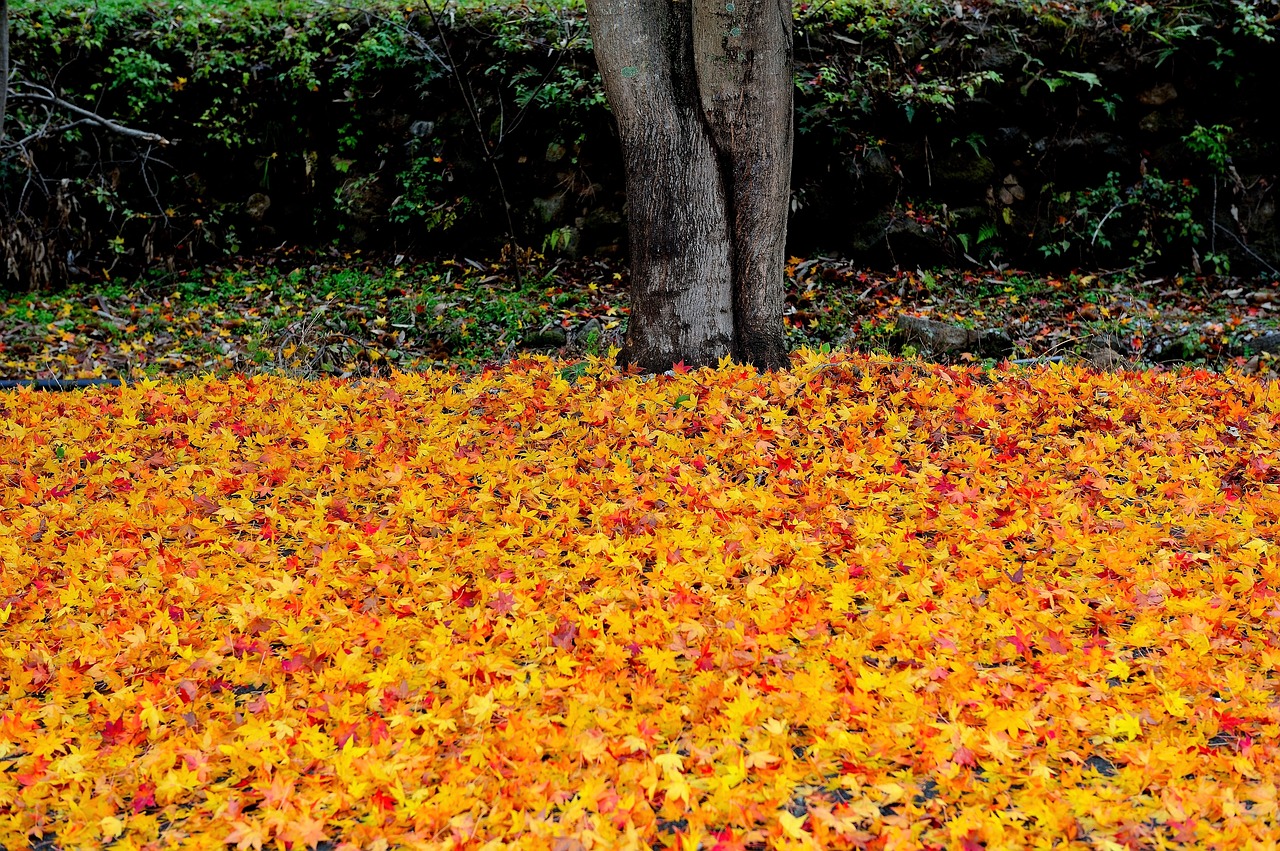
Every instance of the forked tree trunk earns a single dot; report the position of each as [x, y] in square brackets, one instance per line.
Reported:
[702, 94]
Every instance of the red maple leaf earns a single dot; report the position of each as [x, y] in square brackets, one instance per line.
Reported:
[35, 775]
[1057, 643]
[564, 635]
[145, 799]
[727, 841]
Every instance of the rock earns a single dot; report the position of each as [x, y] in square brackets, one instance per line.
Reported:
[1011, 138]
[555, 152]
[999, 56]
[964, 170]
[1107, 351]
[900, 240]
[874, 171]
[1010, 194]
[1151, 123]
[1173, 348]
[548, 209]
[939, 338]
[257, 205]
[550, 336]
[1262, 364]
[364, 203]
[968, 219]
[1269, 343]
[601, 230]
[583, 334]
[421, 129]
[1158, 95]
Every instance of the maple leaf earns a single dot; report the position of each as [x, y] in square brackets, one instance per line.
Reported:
[503, 603]
[1058, 643]
[305, 830]
[792, 825]
[842, 609]
[727, 840]
[246, 834]
[565, 634]
[481, 707]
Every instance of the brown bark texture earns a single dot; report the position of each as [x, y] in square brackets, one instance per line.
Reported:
[4, 63]
[702, 94]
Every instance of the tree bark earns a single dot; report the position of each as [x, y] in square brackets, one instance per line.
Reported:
[4, 63]
[702, 95]
[744, 66]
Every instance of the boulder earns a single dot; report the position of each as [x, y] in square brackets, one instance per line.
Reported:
[1158, 95]
[963, 169]
[550, 336]
[1268, 343]
[257, 205]
[936, 338]
[548, 209]
[1107, 351]
[582, 335]
[895, 239]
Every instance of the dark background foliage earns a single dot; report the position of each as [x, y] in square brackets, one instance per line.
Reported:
[1044, 135]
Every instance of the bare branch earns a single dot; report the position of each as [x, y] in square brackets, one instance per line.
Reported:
[47, 97]
[1246, 249]
[44, 131]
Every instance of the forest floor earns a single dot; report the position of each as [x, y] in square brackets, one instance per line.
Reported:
[866, 602]
[307, 315]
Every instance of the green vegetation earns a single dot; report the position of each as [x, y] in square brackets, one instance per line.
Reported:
[347, 118]
[305, 316]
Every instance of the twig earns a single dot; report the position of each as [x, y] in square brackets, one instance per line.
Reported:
[1240, 242]
[421, 42]
[468, 99]
[46, 130]
[1098, 229]
[1045, 359]
[47, 384]
[49, 98]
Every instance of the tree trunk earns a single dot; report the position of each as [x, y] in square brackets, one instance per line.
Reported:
[702, 94]
[4, 63]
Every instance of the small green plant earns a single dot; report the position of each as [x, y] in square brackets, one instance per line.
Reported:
[980, 247]
[566, 88]
[423, 197]
[558, 239]
[139, 77]
[1211, 142]
[575, 371]
[1153, 213]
